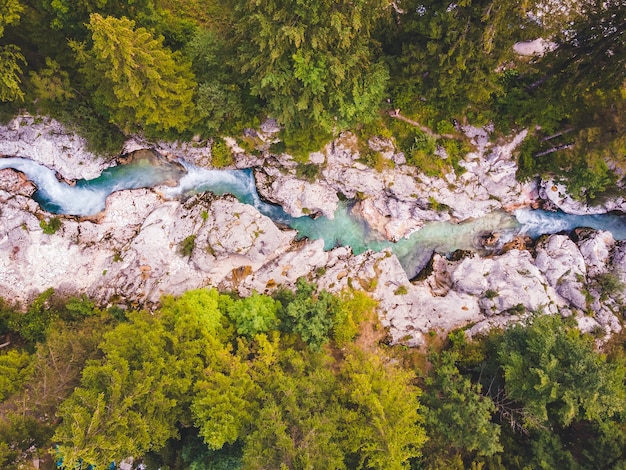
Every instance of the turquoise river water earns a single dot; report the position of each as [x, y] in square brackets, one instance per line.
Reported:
[88, 197]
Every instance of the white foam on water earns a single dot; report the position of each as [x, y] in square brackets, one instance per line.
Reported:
[69, 199]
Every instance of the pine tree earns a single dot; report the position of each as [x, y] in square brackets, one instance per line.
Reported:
[312, 61]
[141, 83]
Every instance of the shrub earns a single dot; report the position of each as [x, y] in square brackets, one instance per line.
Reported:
[221, 156]
[51, 227]
[307, 171]
[402, 290]
[186, 247]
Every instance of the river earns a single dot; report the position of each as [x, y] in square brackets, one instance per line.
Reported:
[88, 197]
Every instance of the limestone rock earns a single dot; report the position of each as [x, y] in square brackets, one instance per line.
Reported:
[559, 259]
[556, 194]
[505, 283]
[298, 197]
[46, 141]
[595, 248]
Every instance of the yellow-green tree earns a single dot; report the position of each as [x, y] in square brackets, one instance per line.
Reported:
[140, 83]
[10, 54]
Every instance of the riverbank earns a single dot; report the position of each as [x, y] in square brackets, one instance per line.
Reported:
[146, 245]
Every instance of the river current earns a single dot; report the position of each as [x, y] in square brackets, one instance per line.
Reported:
[88, 197]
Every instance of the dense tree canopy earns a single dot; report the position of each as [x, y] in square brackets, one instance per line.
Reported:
[11, 59]
[313, 62]
[282, 402]
[139, 81]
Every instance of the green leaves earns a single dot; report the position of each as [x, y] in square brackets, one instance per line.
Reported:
[286, 405]
[133, 400]
[15, 369]
[10, 72]
[458, 417]
[555, 373]
[312, 63]
[253, 315]
[451, 53]
[384, 429]
[309, 314]
[142, 84]
[10, 13]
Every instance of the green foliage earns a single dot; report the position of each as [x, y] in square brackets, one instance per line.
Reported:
[222, 404]
[556, 374]
[22, 439]
[312, 62]
[10, 73]
[10, 13]
[458, 417]
[221, 101]
[300, 142]
[28, 418]
[141, 83]
[307, 171]
[281, 403]
[221, 156]
[70, 17]
[132, 400]
[491, 294]
[355, 307]
[375, 160]
[402, 290]
[15, 370]
[10, 55]
[297, 423]
[52, 226]
[450, 53]
[610, 285]
[187, 245]
[253, 315]
[51, 85]
[33, 324]
[80, 116]
[384, 425]
[308, 313]
[419, 149]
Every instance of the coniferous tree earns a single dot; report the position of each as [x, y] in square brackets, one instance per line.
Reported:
[313, 62]
[11, 58]
[140, 83]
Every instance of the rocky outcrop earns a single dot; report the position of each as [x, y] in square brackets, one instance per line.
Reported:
[145, 245]
[297, 197]
[559, 259]
[397, 199]
[46, 141]
[557, 197]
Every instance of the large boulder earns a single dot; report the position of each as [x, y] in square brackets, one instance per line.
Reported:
[46, 141]
[506, 284]
[561, 262]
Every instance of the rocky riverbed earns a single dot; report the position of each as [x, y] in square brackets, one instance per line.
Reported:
[145, 245]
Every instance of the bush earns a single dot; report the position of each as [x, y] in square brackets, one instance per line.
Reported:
[307, 171]
[51, 227]
[221, 156]
[354, 308]
[186, 246]
[300, 142]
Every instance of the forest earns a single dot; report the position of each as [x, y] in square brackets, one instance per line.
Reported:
[308, 379]
[299, 380]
